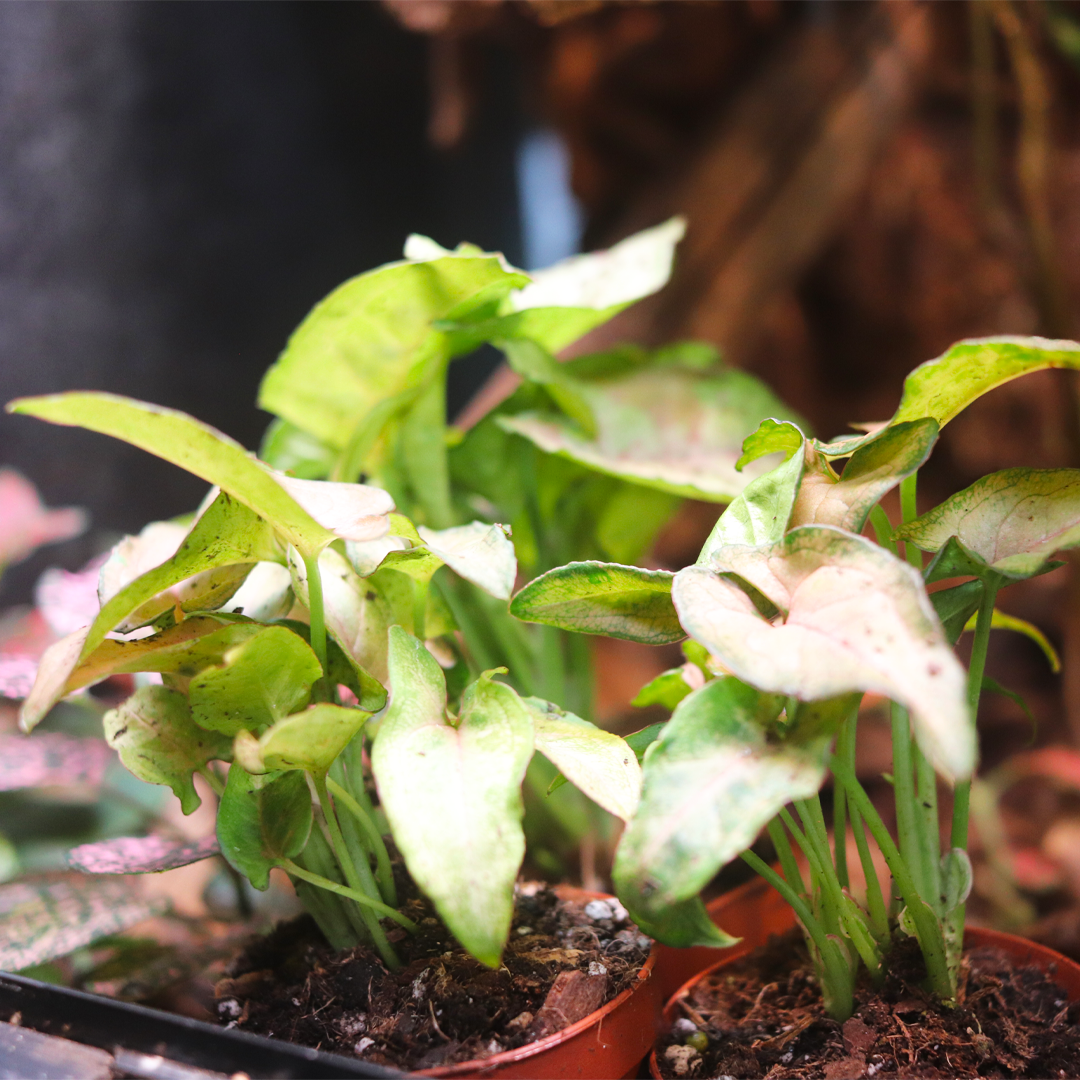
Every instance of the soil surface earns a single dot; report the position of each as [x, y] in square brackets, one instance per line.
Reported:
[763, 1018]
[563, 961]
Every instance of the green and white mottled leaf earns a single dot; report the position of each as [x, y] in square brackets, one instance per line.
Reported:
[873, 470]
[228, 535]
[851, 617]
[189, 444]
[357, 512]
[371, 338]
[760, 515]
[367, 557]
[593, 760]
[480, 553]
[266, 593]
[603, 598]
[1011, 522]
[266, 678]
[44, 920]
[310, 740]
[262, 820]
[711, 782]
[356, 616]
[183, 649]
[534, 363]
[452, 792]
[942, 388]
[662, 426]
[158, 741]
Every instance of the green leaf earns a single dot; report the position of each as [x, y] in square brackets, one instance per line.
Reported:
[533, 362]
[771, 437]
[482, 554]
[194, 446]
[640, 741]
[356, 615]
[1010, 522]
[630, 521]
[853, 617]
[760, 515]
[711, 782]
[422, 449]
[593, 760]
[872, 471]
[994, 687]
[682, 925]
[44, 920]
[290, 449]
[158, 741]
[264, 679]
[228, 535]
[942, 388]
[670, 687]
[1001, 621]
[342, 668]
[310, 740]
[183, 649]
[262, 820]
[955, 606]
[452, 793]
[602, 598]
[371, 338]
[674, 429]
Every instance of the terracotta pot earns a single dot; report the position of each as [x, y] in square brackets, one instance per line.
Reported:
[1066, 972]
[753, 912]
[611, 1042]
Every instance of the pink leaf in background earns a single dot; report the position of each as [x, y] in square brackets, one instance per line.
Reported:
[26, 524]
[140, 854]
[24, 636]
[50, 759]
[69, 601]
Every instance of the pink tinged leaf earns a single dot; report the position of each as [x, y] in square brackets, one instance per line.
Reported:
[24, 637]
[140, 854]
[51, 759]
[352, 511]
[25, 523]
[69, 601]
[16, 675]
[41, 921]
[57, 663]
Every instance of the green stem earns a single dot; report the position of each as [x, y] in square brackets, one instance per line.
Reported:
[831, 894]
[845, 747]
[909, 512]
[384, 874]
[786, 855]
[216, 786]
[318, 618]
[836, 978]
[926, 811]
[927, 925]
[358, 875]
[883, 529]
[353, 894]
[420, 600]
[907, 828]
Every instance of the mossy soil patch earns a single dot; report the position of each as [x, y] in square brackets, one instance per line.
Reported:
[564, 960]
[763, 1018]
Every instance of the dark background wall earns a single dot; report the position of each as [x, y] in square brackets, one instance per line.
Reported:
[179, 183]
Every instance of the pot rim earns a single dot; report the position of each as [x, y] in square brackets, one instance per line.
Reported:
[478, 1066]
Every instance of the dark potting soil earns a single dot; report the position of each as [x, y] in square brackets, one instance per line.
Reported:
[564, 960]
[763, 1018]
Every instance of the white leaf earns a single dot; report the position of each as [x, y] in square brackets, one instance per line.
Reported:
[366, 556]
[482, 554]
[351, 511]
[266, 593]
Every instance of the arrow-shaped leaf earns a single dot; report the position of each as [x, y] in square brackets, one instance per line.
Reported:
[603, 598]
[596, 762]
[480, 553]
[452, 792]
[262, 820]
[851, 617]
[158, 741]
[311, 740]
[712, 781]
[1009, 522]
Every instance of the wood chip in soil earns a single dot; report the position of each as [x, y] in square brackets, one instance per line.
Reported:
[763, 1019]
[563, 961]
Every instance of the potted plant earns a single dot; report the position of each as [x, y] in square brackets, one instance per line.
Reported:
[794, 614]
[279, 617]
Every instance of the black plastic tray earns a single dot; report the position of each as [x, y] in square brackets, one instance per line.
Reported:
[108, 1024]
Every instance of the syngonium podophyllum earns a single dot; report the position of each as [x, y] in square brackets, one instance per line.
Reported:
[793, 615]
[280, 616]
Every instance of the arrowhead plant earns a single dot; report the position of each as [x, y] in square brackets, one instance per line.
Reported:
[328, 642]
[793, 615]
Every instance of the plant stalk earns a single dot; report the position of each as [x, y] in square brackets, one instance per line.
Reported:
[318, 622]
